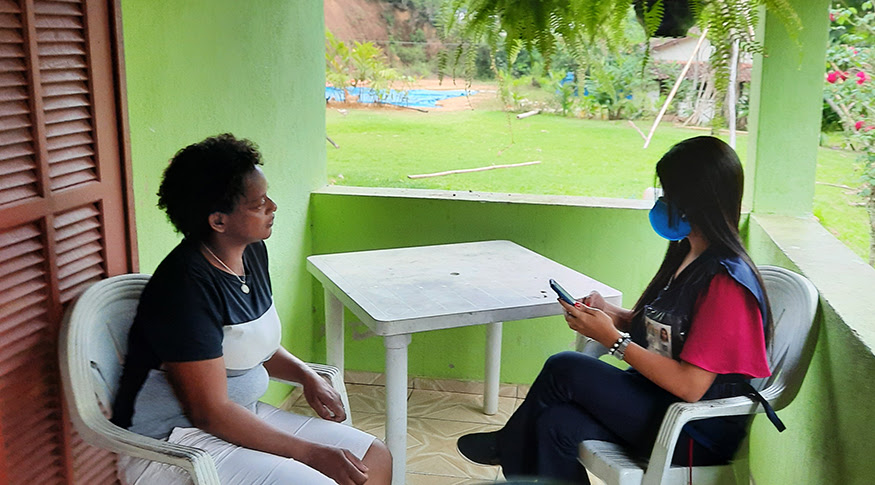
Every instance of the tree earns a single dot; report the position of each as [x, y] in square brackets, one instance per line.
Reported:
[545, 24]
[338, 71]
[363, 64]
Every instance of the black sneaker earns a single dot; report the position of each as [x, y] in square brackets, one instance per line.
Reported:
[480, 448]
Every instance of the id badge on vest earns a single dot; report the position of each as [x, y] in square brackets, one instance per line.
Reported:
[663, 332]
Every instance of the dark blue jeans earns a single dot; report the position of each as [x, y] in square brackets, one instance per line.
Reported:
[576, 398]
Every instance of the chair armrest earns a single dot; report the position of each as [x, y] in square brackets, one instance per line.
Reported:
[333, 376]
[679, 414]
[198, 463]
[590, 347]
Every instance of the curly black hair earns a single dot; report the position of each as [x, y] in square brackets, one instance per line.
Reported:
[204, 178]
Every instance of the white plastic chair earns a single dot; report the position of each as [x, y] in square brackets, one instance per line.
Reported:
[794, 303]
[92, 347]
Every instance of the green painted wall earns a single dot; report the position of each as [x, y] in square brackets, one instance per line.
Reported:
[256, 69]
[829, 424]
[613, 245]
[785, 110]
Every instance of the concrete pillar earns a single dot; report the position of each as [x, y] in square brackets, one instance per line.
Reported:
[785, 110]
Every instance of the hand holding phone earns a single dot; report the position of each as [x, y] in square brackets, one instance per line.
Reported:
[564, 295]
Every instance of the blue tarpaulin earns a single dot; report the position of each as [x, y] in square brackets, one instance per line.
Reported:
[421, 98]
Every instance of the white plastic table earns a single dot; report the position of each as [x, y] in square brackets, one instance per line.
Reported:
[398, 292]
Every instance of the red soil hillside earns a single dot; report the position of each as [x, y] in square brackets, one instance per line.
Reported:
[365, 20]
[360, 20]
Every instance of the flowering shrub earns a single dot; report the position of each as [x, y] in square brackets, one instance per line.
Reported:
[850, 91]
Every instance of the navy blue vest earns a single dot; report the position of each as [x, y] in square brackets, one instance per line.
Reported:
[663, 326]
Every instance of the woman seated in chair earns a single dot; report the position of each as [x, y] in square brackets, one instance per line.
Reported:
[698, 331]
[207, 336]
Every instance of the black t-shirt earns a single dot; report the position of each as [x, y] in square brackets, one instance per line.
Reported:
[182, 314]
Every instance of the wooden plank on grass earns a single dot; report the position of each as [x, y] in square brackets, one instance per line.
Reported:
[469, 170]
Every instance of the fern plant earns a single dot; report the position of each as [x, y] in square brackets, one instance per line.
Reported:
[541, 24]
[732, 22]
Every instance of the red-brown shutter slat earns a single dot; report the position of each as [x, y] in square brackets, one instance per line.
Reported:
[63, 76]
[69, 166]
[11, 18]
[66, 93]
[29, 402]
[13, 93]
[70, 126]
[24, 311]
[18, 176]
[8, 63]
[29, 273]
[15, 165]
[16, 186]
[13, 108]
[64, 219]
[17, 121]
[65, 88]
[15, 134]
[57, 8]
[74, 50]
[9, 6]
[82, 265]
[60, 35]
[57, 21]
[14, 312]
[31, 420]
[71, 114]
[101, 467]
[73, 241]
[22, 341]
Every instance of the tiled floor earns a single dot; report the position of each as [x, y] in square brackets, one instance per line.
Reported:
[438, 412]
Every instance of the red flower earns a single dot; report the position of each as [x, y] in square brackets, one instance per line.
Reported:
[858, 125]
[869, 128]
[835, 76]
[832, 17]
[862, 77]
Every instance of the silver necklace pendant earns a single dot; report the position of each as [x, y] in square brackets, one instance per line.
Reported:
[242, 279]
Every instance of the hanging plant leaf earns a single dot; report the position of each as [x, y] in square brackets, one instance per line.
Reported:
[665, 18]
[541, 24]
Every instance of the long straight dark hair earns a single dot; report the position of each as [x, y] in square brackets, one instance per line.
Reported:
[702, 176]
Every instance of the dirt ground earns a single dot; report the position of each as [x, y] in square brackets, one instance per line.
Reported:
[485, 95]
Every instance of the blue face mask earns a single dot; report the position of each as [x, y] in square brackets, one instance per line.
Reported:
[661, 214]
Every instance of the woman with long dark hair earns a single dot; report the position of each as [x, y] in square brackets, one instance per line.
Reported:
[698, 331]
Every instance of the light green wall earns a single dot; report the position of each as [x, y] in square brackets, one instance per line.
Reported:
[829, 424]
[256, 69]
[613, 245]
[785, 110]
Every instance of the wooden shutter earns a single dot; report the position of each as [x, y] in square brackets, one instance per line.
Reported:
[64, 218]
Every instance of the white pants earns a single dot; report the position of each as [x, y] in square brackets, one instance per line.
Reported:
[243, 466]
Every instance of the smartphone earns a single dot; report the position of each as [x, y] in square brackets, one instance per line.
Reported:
[566, 297]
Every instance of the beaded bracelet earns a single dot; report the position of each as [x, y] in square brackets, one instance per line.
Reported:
[623, 337]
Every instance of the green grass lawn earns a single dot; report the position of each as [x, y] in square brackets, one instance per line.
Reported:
[380, 148]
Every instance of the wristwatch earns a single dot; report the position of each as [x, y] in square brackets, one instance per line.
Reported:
[618, 350]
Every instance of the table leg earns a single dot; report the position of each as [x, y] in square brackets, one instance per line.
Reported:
[396, 404]
[334, 330]
[493, 368]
